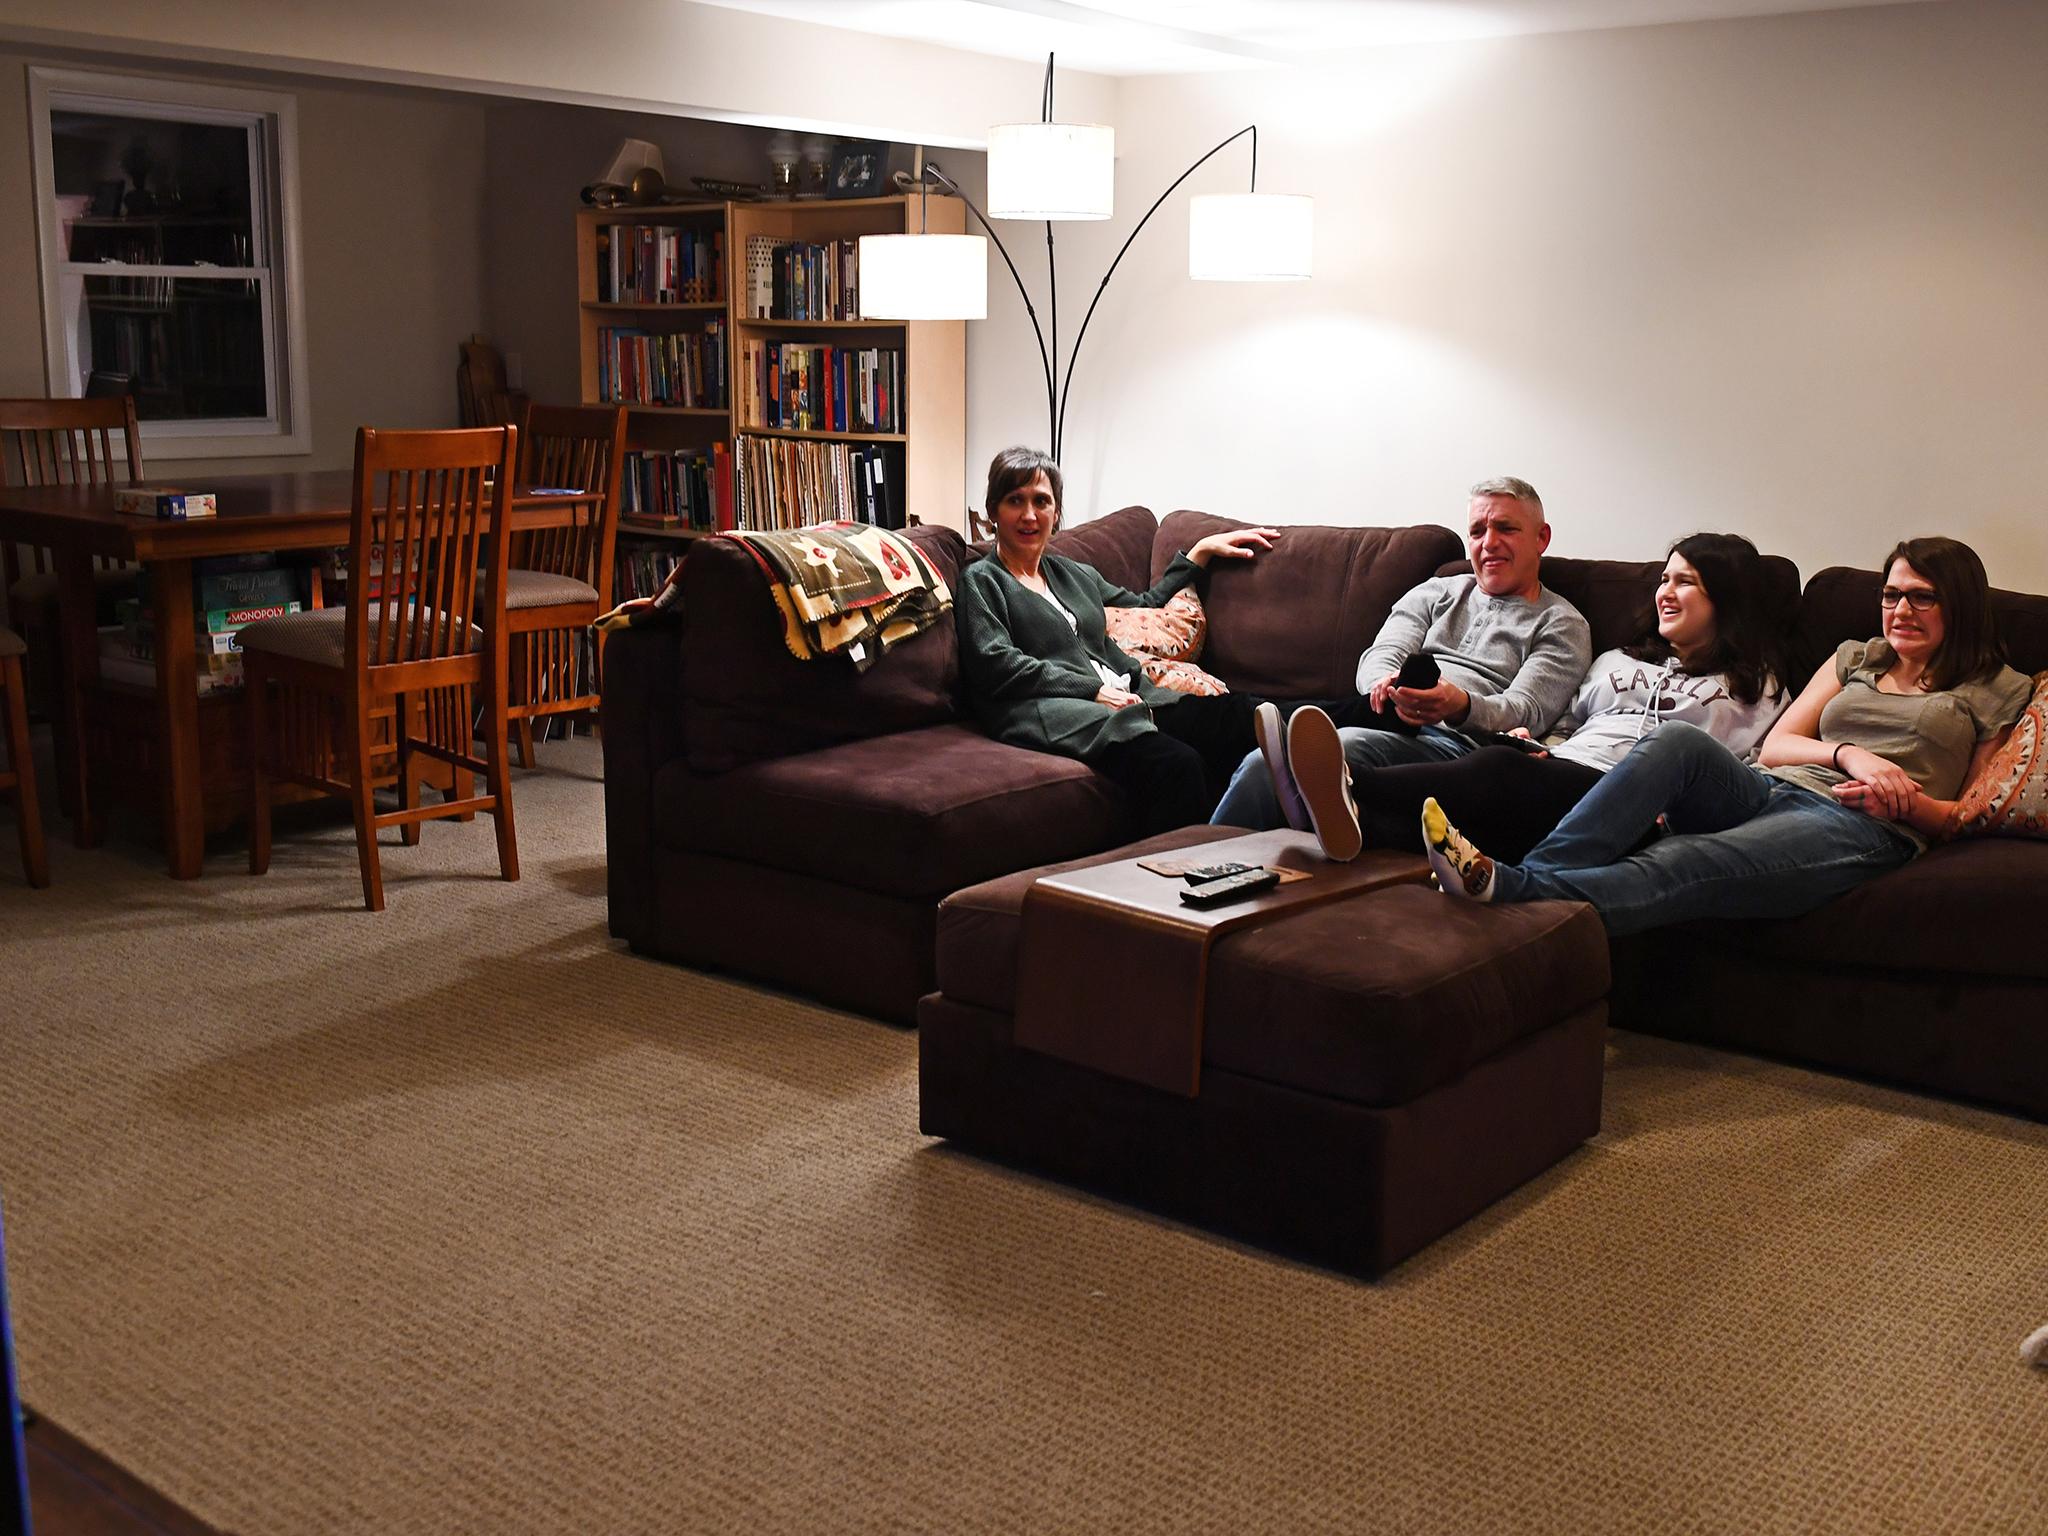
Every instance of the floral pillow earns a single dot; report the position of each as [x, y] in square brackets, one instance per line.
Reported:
[1165, 641]
[1174, 632]
[1181, 676]
[2010, 797]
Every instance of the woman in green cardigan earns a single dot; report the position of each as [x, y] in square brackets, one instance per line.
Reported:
[1041, 673]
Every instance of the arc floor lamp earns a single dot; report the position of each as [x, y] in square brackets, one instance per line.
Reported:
[1053, 171]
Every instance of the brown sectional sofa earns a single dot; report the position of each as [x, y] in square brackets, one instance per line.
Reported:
[1934, 976]
[798, 824]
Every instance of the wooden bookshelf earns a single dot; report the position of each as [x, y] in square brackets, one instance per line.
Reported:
[927, 458]
[932, 444]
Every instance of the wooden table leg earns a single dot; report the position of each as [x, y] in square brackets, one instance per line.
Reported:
[77, 604]
[177, 692]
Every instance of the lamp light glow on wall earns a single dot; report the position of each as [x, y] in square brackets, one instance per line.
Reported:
[1251, 237]
[924, 277]
[1051, 171]
[1055, 171]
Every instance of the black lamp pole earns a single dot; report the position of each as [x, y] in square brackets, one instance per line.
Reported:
[932, 175]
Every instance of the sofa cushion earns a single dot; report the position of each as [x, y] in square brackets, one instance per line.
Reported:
[1118, 544]
[1619, 597]
[1970, 908]
[913, 813]
[2010, 797]
[1381, 998]
[1841, 604]
[747, 700]
[979, 926]
[1292, 622]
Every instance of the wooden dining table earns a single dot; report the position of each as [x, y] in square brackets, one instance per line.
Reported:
[275, 513]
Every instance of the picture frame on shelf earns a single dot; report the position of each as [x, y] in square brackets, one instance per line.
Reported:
[860, 168]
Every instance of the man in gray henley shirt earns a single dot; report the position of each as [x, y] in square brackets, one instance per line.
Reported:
[1510, 651]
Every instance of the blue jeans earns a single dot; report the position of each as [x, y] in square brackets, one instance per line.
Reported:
[1251, 802]
[1741, 843]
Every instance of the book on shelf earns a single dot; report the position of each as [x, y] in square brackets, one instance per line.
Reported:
[792, 483]
[683, 368]
[683, 488]
[802, 280]
[659, 264]
[811, 387]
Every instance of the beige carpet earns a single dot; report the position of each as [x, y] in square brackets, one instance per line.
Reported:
[458, 1219]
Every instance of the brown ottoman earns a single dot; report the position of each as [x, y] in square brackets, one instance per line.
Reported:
[1374, 1071]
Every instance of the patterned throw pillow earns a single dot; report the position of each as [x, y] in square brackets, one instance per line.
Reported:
[1165, 641]
[1172, 633]
[1181, 676]
[2010, 797]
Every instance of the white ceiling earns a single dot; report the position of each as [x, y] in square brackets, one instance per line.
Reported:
[1139, 37]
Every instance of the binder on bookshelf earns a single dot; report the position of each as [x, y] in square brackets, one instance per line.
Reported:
[792, 483]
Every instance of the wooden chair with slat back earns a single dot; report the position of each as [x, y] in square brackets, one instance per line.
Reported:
[63, 442]
[481, 393]
[562, 577]
[421, 633]
[19, 780]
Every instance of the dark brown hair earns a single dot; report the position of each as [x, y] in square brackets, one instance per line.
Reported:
[1749, 641]
[1020, 466]
[1970, 647]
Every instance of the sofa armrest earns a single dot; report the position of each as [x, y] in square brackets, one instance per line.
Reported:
[642, 716]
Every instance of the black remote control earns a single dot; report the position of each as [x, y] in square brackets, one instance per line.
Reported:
[1231, 888]
[1210, 872]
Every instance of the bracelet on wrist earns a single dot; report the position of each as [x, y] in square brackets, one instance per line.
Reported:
[1837, 758]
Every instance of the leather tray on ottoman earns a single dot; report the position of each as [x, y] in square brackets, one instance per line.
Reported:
[1373, 1071]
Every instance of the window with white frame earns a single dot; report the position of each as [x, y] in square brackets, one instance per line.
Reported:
[167, 211]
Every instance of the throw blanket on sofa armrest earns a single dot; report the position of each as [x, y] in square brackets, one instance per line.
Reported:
[841, 588]
[847, 588]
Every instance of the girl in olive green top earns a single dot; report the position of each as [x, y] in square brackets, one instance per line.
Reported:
[1853, 780]
[1040, 671]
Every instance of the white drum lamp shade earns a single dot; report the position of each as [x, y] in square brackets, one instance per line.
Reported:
[1051, 171]
[1251, 237]
[923, 277]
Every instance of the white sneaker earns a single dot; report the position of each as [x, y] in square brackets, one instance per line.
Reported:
[1272, 735]
[1315, 758]
[1460, 868]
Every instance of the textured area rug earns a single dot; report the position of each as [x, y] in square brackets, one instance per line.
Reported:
[458, 1218]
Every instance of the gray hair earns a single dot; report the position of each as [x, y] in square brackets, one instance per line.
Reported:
[1509, 485]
